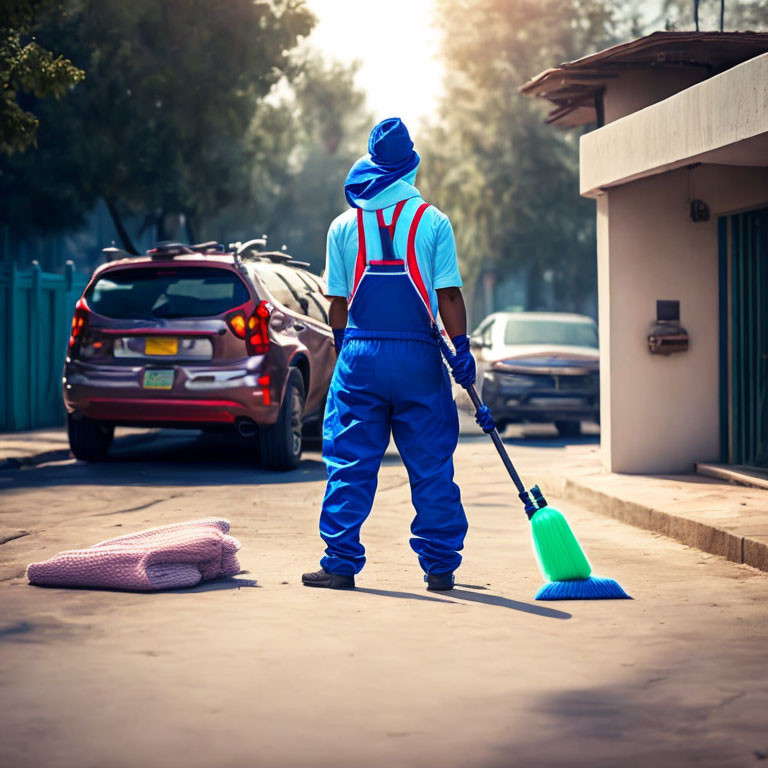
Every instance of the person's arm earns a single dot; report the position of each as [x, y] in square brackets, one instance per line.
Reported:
[337, 313]
[337, 319]
[336, 277]
[447, 279]
[450, 303]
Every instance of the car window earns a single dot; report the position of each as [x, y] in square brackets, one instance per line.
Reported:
[295, 289]
[531, 331]
[487, 333]
[316, 280]
[278, 286]
[153, 292]
[312, 290]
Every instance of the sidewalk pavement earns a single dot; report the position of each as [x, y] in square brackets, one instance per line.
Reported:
[722, 518]
[711, 515]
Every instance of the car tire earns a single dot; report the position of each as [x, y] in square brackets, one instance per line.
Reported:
[89, 439]
[568, 428]
[280, 443]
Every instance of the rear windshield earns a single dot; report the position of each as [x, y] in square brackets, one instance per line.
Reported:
[524, 331]
[143, 294]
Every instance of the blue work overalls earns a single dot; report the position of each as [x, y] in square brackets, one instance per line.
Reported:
[390, 378]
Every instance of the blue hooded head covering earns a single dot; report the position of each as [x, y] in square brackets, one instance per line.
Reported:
[390, 157]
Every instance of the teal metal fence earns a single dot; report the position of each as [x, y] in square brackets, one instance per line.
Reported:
[745, 436]
[36, 310]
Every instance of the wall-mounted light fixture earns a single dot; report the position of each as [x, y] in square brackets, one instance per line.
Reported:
[699, 211]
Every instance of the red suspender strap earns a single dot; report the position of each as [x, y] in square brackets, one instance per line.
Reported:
[395, 216]
[413, 265]
[361, 255]
[362, 258]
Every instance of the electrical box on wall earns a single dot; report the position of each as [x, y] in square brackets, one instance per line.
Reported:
[667, 336]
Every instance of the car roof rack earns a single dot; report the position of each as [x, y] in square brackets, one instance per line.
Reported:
[211, 246]
[275, 257]
[167, 248]
[250, 245]
[111, 253]
[278, 257]
[248, 251]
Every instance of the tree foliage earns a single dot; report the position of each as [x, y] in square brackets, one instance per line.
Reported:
[160, 123]
[26, 67]
[509, 181]
[303, 144]
[743, 15]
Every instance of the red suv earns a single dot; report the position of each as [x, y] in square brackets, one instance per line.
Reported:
[200, 337]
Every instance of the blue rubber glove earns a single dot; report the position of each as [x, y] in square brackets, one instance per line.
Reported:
[485, 420]
[463, 364]
[338, 339]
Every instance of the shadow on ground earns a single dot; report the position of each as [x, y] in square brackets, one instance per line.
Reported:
[505, 602]
[214, 585]
[456, 595]
[168, 457]
[592, 727]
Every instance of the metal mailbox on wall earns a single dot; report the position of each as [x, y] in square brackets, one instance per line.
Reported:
[667, 336]
[36, 310]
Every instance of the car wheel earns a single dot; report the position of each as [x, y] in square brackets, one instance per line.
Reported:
[89, 439]
[280, 443]
[568, 428]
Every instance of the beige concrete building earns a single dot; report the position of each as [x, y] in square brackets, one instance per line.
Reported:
[678, 167]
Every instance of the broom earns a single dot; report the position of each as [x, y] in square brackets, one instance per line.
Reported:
[561, 559]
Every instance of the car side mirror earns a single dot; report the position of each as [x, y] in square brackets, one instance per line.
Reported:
[477, 343]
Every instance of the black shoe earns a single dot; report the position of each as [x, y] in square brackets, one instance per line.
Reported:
[327, 580]
[439, 582]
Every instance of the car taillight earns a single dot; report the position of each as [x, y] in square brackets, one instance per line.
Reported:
[255, 329]
[237, 324]
[79, 323]
[258, 329]
[264, 384]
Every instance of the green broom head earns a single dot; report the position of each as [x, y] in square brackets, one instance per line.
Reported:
[562, 560]
[560, 555]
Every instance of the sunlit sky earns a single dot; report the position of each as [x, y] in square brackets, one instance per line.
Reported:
[397, 47]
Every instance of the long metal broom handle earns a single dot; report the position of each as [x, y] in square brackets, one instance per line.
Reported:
[495, 437]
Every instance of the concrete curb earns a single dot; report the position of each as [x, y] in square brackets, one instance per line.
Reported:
[694, 533]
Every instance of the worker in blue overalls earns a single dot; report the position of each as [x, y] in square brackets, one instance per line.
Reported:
[391, 268]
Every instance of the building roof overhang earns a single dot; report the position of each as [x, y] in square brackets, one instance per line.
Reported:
[720, 121]
[574, 87]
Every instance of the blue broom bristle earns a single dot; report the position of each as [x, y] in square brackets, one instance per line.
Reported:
[593, 588]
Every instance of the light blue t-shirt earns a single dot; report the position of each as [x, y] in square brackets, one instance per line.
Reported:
[435, 245]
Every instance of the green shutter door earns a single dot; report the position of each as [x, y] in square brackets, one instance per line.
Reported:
[745, 386]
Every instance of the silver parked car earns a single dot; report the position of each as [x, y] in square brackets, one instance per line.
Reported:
[538, 367]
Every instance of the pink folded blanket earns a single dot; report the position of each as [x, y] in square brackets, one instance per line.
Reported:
[167, 557]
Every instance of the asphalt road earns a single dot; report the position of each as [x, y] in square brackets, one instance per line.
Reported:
[259, 671]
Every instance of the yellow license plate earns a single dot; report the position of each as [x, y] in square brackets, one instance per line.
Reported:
[161, 345]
